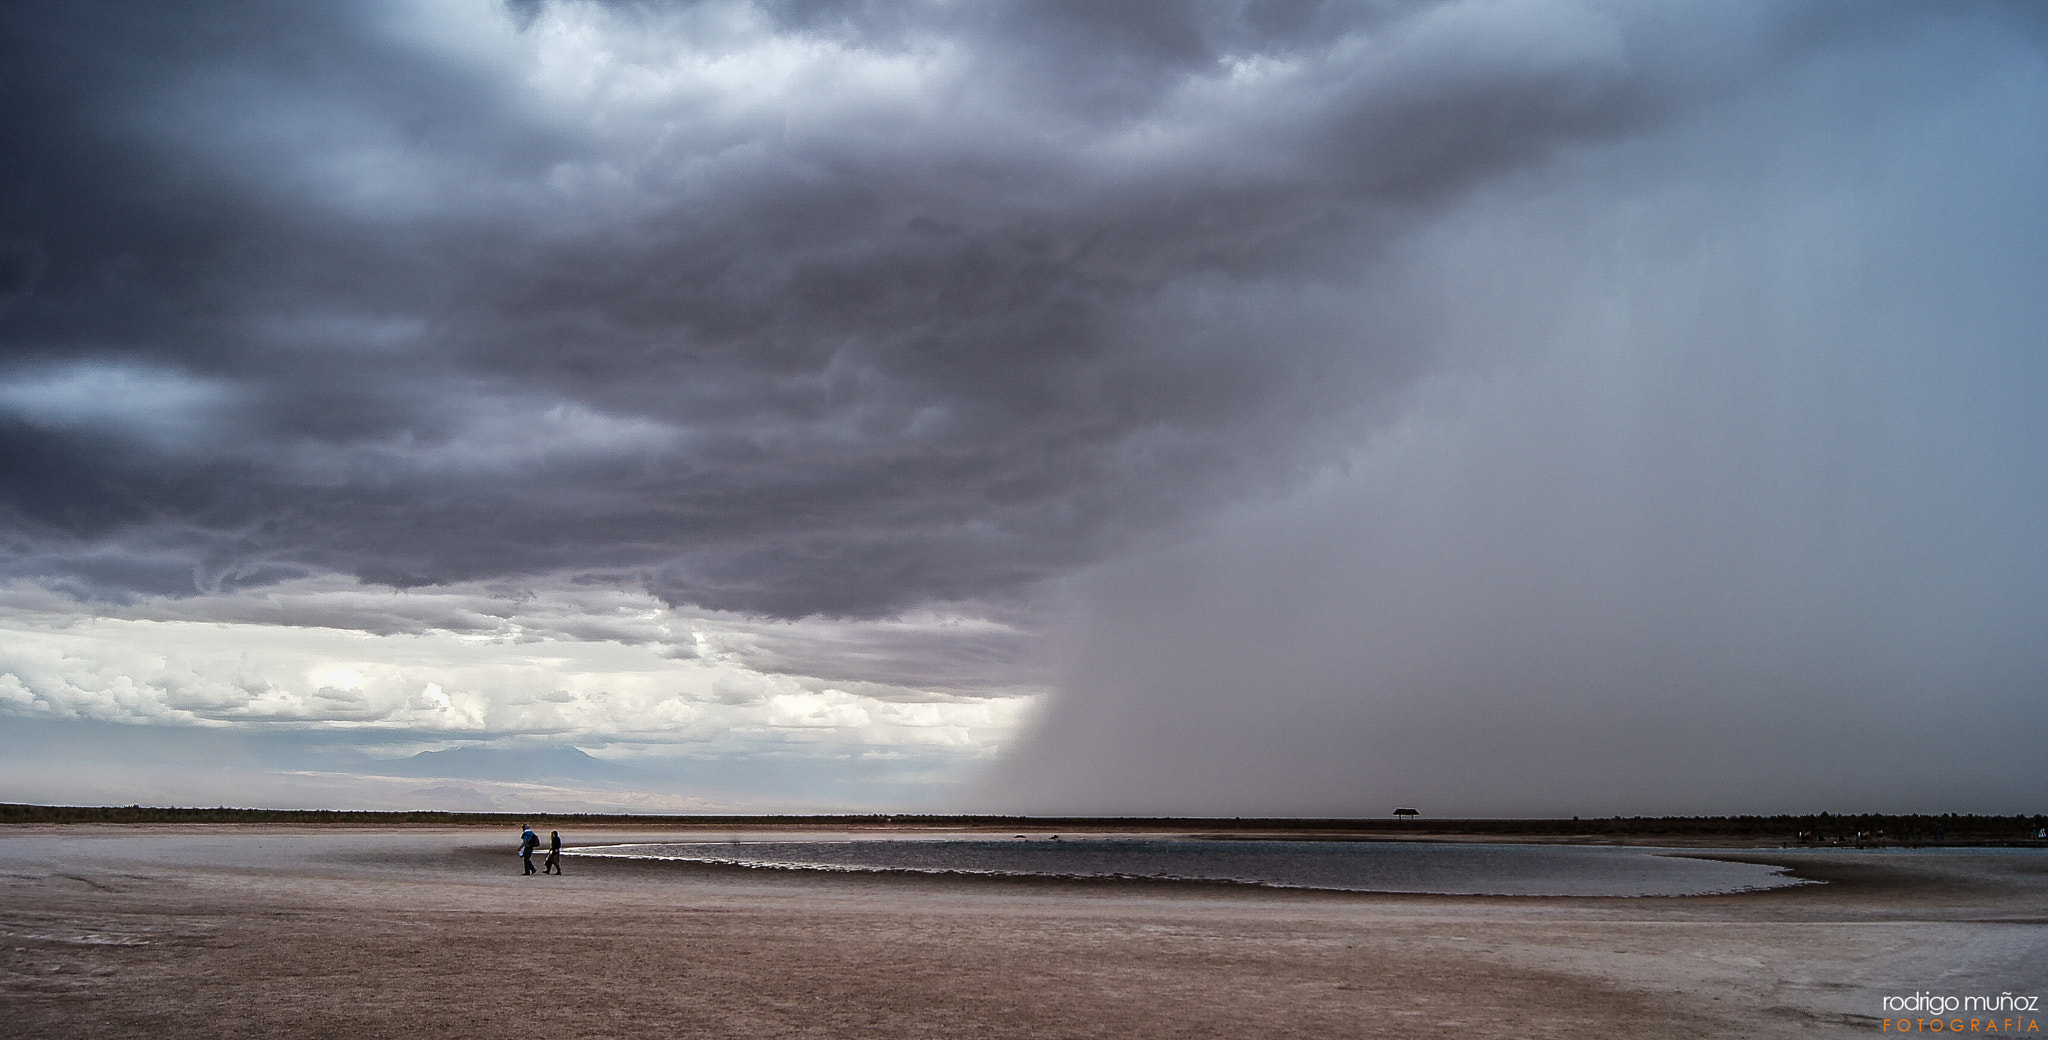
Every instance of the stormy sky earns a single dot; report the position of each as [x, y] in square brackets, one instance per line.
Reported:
[1207, 407]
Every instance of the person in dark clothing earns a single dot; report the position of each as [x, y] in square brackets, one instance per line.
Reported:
[528, 841]
[554, 862]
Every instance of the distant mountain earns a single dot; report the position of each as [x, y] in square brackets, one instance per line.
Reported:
[454, 798]
[533, 765]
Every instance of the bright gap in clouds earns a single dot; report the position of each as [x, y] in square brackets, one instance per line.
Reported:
[344, 684]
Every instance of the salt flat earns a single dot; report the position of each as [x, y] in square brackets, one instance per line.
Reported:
[246, 931]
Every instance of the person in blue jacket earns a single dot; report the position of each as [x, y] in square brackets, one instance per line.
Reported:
[528, 841]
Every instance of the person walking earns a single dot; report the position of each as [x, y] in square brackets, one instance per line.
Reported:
[528, 841]
[554, 861]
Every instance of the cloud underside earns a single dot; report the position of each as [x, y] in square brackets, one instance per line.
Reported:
[836, 312]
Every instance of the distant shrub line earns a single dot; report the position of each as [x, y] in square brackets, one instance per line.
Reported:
[1824, 828]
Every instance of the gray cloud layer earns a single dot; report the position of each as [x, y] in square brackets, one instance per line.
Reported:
[780, 308]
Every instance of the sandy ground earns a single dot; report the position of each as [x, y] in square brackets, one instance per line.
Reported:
[227, 931]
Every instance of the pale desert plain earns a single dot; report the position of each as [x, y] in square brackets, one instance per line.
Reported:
[171, 931]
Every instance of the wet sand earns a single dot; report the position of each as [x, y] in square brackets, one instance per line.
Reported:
[249, 931]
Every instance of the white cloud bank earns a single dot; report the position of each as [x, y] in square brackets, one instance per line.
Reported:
[616, 673]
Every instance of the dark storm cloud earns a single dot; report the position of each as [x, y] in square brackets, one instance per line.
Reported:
[793, 309]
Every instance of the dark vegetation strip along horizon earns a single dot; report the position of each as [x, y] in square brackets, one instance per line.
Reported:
[1818, 828]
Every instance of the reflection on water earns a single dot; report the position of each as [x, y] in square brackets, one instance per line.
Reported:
[1445, 869]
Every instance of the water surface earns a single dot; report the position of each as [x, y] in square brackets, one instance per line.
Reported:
[1344, 866]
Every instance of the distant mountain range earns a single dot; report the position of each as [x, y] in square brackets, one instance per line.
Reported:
[533, 765]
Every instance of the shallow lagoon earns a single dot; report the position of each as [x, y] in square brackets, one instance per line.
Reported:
[1344, 866]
